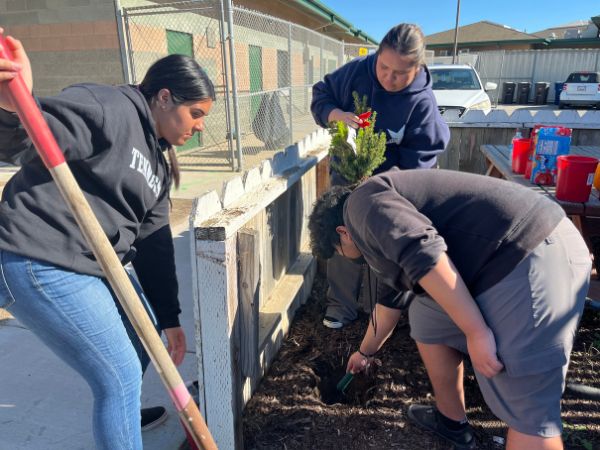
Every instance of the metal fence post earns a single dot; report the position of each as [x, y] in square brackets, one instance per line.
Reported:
[226, 84]
[122, 43]
[535, 57]
[234, 86]
[130, 45]
[291, 105]
[321, 68]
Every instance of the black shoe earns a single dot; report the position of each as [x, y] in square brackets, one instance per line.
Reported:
[427, 417]
[153, 417]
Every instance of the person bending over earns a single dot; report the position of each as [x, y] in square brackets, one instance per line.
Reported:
[495, 271]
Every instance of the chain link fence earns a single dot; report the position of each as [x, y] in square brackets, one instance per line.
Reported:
[263, 69]
[352, 51]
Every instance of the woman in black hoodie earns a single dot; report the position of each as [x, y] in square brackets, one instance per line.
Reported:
[113, 139]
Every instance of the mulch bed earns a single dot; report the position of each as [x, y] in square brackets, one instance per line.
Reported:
[297, 405]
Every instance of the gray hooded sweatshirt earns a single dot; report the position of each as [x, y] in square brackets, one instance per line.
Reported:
[402, 221]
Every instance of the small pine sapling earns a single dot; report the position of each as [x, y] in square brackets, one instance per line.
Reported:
[357, 163]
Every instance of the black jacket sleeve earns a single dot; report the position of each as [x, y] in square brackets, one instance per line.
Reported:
[154, 265]
[75, 118]
[15, 146]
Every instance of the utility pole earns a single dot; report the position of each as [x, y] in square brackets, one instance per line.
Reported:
[455, 52]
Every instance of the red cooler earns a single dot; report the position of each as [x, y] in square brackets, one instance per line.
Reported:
[520, 154]
[575, 177]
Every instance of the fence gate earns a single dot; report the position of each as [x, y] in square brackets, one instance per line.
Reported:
[195, 29]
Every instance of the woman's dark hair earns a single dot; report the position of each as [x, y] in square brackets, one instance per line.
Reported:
[406, 39]
[327, 215]
[185, 80]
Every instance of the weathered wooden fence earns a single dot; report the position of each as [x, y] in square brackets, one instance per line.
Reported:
[252, 269]
[475, 128]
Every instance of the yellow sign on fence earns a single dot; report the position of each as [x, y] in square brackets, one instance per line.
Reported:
[362, 51]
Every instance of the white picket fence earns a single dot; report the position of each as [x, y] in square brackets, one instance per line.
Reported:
[252, 269]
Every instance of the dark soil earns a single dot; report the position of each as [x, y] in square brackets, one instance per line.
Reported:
[297, 405]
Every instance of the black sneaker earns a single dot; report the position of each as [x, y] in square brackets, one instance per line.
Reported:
[332, 322]
[427, 417]
[153, 417]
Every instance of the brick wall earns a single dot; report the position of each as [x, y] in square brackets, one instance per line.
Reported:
[68, 41]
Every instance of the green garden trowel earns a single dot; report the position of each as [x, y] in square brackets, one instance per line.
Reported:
[344, 382]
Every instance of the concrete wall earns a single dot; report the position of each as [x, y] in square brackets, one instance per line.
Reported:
[68, 41]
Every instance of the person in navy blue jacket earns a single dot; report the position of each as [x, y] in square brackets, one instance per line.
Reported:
[397, 85]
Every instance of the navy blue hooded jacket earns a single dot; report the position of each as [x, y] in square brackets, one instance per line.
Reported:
[415, 130]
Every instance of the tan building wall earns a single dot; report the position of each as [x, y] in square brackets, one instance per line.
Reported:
[269, 68]
[243, 67]
[68, 41]
[72, 41]
[298, 76]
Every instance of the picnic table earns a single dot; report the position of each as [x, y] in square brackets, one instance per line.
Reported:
[499, 165]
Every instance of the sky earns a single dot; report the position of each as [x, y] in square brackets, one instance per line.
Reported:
[375, 17]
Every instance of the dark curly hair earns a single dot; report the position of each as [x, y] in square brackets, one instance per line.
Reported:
[327, 215]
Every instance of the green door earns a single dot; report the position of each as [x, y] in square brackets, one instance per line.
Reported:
[183, 44]
[256, 78]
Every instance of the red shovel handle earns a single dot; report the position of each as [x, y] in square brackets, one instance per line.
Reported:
[31, 116]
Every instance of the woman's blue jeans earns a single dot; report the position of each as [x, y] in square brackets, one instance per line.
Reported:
[77, 316]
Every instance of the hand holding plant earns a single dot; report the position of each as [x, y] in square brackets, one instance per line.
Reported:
[356, 158]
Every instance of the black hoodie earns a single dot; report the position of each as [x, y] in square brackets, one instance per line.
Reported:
[109, 141]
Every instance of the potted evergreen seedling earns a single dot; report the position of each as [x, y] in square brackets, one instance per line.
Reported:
[355, 154]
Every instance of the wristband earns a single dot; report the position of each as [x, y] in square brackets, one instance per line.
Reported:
[364, 355]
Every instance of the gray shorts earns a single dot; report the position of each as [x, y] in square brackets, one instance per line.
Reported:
[533, 312]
